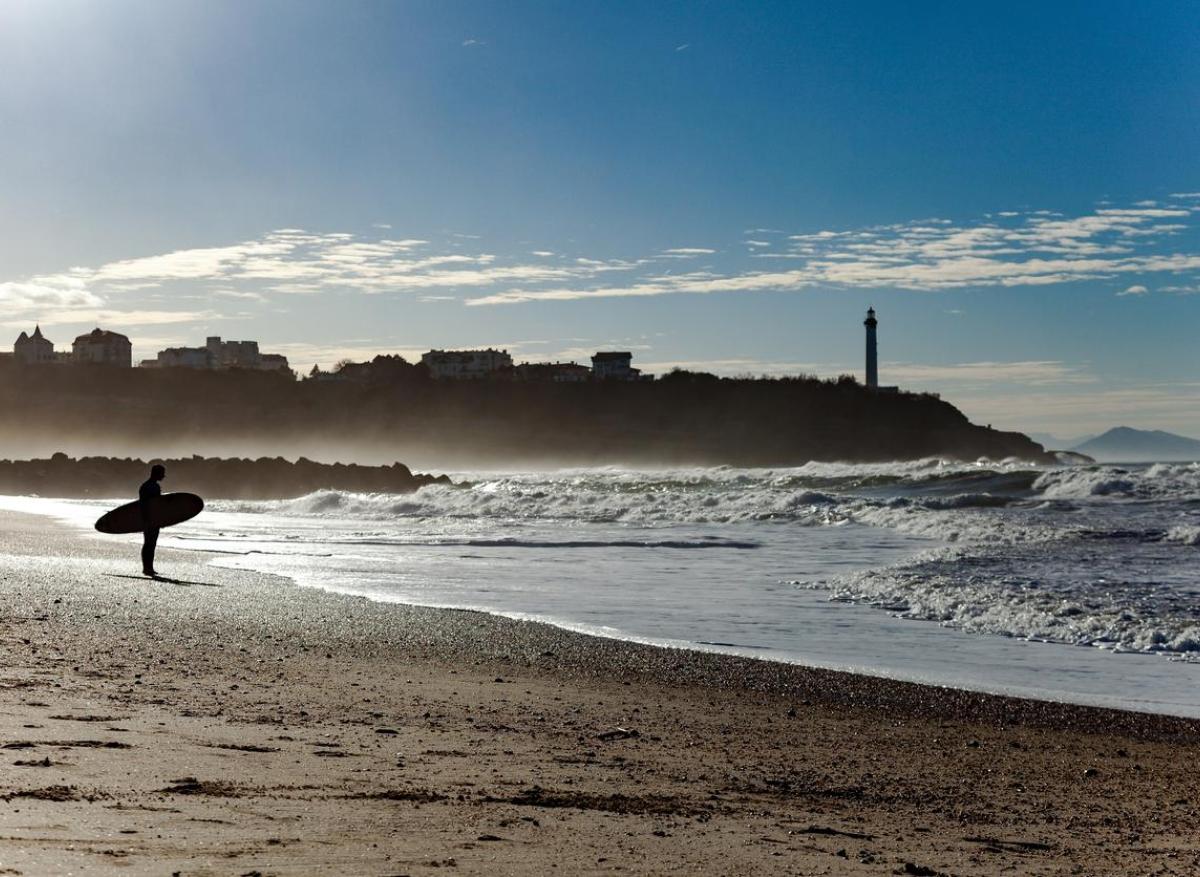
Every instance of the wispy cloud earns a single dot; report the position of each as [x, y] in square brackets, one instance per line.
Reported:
[1135, 290]
[50, 292]
[1024, 373]
[123, 318]
[1008, 249]
[473, 43]
[1032, 248]
[239, 294]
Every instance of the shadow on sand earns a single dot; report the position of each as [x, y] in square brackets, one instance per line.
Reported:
[169, 581]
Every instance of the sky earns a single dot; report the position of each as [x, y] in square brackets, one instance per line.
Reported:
[1015, 187]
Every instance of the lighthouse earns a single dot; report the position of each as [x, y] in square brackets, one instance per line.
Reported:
[872, 356]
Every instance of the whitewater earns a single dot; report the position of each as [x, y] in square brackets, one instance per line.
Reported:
[1073, 583]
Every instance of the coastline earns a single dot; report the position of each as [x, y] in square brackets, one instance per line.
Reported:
[316, 730]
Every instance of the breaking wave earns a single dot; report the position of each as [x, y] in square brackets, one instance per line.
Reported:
[1088, 554]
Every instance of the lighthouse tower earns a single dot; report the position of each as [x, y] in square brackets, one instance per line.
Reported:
[872, 356]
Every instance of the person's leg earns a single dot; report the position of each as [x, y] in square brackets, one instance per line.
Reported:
[150, 541]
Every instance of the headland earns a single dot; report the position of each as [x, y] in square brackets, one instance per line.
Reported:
[401, 412]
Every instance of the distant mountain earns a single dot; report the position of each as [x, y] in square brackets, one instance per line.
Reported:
[1127, 445]
[1054, 443]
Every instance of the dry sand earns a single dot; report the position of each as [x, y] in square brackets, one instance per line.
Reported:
[237, 724]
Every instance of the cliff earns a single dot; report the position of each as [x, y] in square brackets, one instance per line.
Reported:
[684, 419]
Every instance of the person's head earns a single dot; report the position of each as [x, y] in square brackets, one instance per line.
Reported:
[158, 472]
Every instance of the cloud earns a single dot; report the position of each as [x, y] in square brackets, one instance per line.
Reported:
[1136, 289]
[1029, 249]
[682, 47]
[737, 366]
[47, 292]
[473, 43]
[239, 294]
[1025, 373]
[1033, 248]
[115, 319]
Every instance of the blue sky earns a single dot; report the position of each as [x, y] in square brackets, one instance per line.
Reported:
[721, 186]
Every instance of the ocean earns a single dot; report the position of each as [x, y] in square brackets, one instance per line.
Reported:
[1075, 583]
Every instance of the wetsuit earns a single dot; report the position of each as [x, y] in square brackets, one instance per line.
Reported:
[147, 493]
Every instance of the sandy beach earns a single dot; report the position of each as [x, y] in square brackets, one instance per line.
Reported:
[233, 723]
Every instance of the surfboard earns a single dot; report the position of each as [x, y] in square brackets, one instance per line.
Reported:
[165, 511]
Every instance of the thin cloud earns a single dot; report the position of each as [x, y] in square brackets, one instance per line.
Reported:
[1025, 373]
[239, 294]
[1135, 290]
[49, 292]
[1013, 249]
[1035, 248]
[117, 318]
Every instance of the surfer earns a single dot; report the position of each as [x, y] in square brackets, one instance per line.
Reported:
[147, 493]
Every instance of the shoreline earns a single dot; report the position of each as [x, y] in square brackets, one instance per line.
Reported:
[686, 661]
[546, 647]
[236, 722]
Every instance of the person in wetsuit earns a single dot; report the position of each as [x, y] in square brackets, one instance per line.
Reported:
[147, 493]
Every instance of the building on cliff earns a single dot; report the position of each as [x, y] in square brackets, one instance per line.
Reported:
[102, 347]
[219, 355]
[35, 349]
[466, 365]
[614, 365]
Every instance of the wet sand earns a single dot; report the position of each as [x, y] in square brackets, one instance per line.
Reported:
[233, 723]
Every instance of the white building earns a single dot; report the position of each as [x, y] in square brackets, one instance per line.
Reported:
[102, 347]
[218, 354]
[462, 365]
[35, 349]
